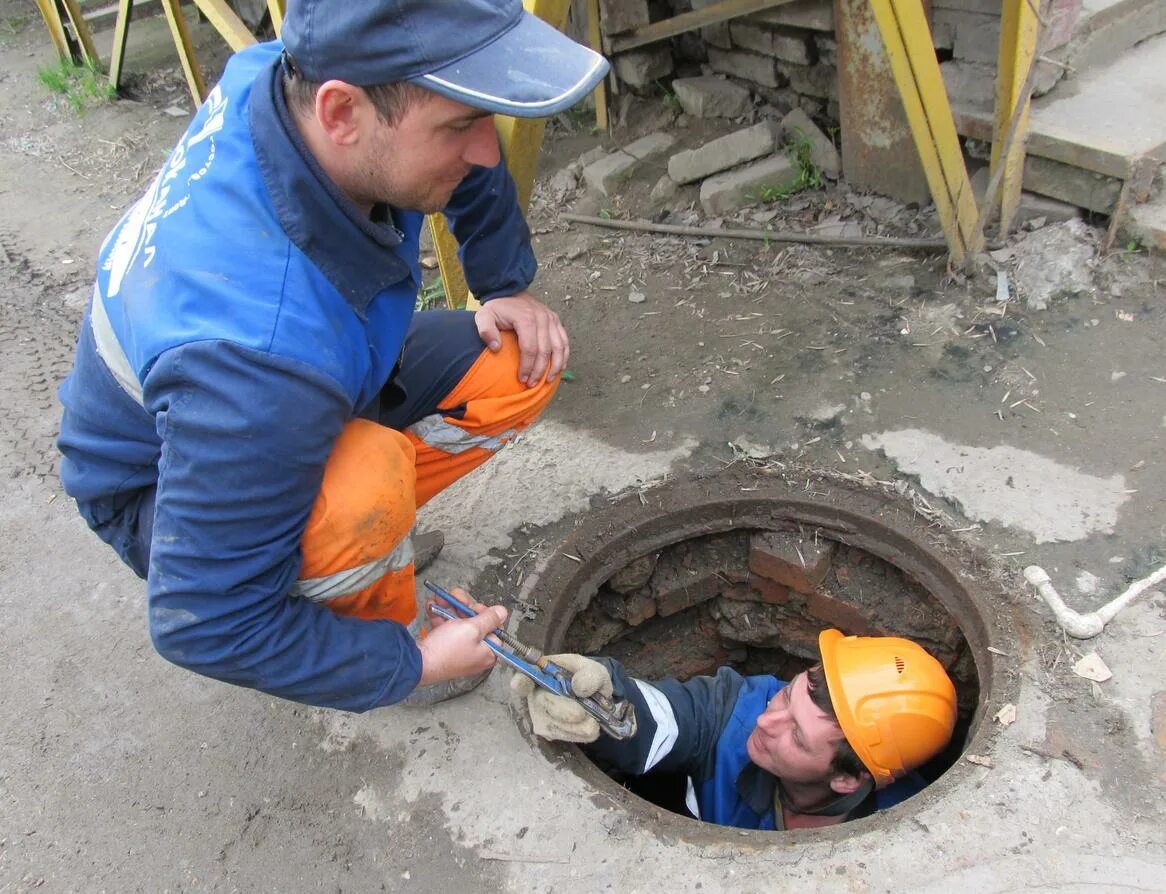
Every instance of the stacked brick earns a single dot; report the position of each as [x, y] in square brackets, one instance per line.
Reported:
[757, 600]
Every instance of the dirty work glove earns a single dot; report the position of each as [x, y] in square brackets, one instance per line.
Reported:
[557, 718]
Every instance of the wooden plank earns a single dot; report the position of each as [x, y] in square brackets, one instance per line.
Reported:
[121, 30]
[1019, 28]
[907, 39]
[52, 16]
[698, 18]
[595, 38]
[181, 35]
[227, 22]
[81, 30]
[276, 9]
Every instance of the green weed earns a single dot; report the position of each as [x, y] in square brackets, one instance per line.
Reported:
[801, 150]
[432, 295]
[81, 85]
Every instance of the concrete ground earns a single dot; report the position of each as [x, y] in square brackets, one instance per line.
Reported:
[121, 773]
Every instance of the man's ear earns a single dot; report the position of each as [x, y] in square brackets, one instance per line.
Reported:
[844, 783]
[343, 111]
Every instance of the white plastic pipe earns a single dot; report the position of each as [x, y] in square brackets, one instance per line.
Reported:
[1087, 626]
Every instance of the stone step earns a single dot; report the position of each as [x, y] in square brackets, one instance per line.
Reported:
[1107, 28]
[1147, 223]
[1104, 121]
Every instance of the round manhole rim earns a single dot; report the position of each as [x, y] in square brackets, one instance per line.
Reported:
[885, 523]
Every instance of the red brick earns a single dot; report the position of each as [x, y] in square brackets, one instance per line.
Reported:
[770, 591]
[833, 612]
[798, 563]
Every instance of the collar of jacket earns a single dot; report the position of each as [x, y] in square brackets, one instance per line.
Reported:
[758, 788]
[356, 254]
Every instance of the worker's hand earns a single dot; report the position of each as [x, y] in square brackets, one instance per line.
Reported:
[455, 649]
[542, 338]
[560, 719]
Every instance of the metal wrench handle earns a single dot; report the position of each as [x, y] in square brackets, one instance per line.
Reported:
[618, 719]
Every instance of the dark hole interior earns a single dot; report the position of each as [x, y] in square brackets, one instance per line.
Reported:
[755, 600]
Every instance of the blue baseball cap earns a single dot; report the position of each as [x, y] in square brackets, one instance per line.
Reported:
[489, 54]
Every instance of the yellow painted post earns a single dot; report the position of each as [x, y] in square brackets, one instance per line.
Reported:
[52, 16]
[595, 38]
[276, 9]
[81, 29]
[227, 23]
[121, 29]
[520, 139]
[1019, 28]
[911, 52]
[182, 43]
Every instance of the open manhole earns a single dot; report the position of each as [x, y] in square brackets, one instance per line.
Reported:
[744, 569]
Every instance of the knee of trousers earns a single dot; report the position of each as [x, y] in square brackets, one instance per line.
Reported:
[485, 411]
[357, 552]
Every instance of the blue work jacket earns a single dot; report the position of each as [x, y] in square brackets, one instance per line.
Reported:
[244, 311]
[699, 728]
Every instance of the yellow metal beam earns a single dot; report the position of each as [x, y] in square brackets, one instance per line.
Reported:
[907, 38]
[121, 30]
[227, 23]
[595, 38]
[185, 47]
[276, 9]
[1019, 29]
[520, 139]
[81, 30]
[52, 16]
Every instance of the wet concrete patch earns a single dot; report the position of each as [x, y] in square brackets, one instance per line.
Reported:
[1014, 487]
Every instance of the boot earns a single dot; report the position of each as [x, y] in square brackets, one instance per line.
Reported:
[426, 548]
[424, 696]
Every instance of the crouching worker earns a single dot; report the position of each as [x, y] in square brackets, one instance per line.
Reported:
[835, 743]
[255, 413]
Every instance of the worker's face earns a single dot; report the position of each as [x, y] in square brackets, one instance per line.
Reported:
[417, 162]
[793, 739]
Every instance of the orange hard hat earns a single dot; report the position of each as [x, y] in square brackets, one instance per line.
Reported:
[895, 702]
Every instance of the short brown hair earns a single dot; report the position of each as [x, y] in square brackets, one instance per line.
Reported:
[390, 100]
[845, 760]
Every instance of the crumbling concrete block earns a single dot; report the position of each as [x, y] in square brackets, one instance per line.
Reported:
[972, 36]
[639, 68]
[823, 154]
[617, 16]
[969, 83]
[608, 172]
[708, 97]
[717, 36]
[816, 15]
[769, 41]
[749, 185]
[812, 80]
[665, 190]
[651, 146]
[745, 65]
[1032, 206]
[799, 563]
[724, 152]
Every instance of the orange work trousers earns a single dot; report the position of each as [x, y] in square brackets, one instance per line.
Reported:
[357, 550]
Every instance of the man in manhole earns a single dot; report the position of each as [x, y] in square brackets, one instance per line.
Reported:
[835, 743]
